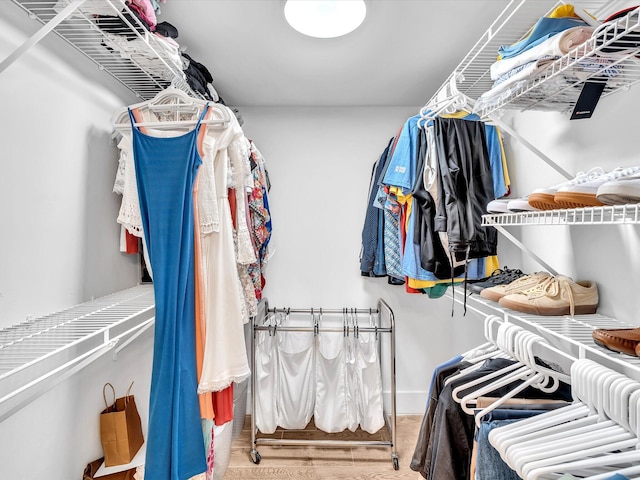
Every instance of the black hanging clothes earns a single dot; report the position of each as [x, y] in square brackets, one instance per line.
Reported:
[465, 187]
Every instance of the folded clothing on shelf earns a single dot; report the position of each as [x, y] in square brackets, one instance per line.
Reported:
[558, 295]
[554, 47]
[624, 43]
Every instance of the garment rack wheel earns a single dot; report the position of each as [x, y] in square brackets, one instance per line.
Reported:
[255, 456]
[394, 459]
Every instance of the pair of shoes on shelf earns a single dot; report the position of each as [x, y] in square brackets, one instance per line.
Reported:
[498, 277]
[543, 294]
[544, 198]
[504, 205]
[525, 282]
[584, 190]
[621, 340]
[586, 194]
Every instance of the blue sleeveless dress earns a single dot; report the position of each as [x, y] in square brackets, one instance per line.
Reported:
[165, 172]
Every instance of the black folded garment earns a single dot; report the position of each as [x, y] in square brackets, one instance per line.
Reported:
[629, 41]
[197, 76]
[167, 30]
[117, 26]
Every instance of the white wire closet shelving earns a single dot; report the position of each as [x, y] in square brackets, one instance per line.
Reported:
[605, 215]
[39, 353]
[128, 52]
[569, 334]
[615, 46]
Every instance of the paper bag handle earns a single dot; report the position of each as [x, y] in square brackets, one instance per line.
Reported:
[104, 395]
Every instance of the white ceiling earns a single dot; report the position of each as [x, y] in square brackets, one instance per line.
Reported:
[399, 56]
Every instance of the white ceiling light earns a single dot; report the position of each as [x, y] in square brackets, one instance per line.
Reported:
[325, 18]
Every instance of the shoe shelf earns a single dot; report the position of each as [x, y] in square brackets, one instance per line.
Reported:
[605, 215]
[75, 24]
[41, 352]
[569, 334]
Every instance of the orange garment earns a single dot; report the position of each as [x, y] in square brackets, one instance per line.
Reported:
[223, 405]
[132, 242]
[232, 205]
[205, 400]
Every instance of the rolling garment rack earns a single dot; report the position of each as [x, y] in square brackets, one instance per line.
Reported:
[261, 323]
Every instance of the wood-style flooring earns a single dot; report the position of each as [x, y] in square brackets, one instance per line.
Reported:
[316, 463]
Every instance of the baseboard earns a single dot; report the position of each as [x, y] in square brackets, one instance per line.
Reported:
[407, 402]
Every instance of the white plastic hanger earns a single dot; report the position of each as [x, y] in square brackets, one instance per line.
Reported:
[489, 348]
[173, 104]
[503, 341]
[553, 454]
[527, 439]
[544, 379]
[615, 453]
[518, 343]
[447, 100]
[503, 437]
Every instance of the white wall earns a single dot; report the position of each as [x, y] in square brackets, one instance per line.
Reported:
[609, 255]
[319, 162]
[59, 242]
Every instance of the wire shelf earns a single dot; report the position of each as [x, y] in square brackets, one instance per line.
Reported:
[132, 55]
[38, 348]
[570, 334]
[609, 57]
[605, 215]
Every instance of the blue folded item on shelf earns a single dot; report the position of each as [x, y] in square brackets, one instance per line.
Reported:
[543, 29]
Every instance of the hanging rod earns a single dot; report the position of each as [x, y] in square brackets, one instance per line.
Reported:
[351, 328]
[323, 310]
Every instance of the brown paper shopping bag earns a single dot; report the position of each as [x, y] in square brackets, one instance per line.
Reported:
[120, 429]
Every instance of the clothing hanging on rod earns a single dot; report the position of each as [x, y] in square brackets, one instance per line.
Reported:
[404, 185]
[445, 443]
[165, 171]
[226, 287]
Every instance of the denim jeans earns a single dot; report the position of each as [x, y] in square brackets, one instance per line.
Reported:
[489, 464]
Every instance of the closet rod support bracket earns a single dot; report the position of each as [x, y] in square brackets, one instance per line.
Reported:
[512, 133]
[523, 247]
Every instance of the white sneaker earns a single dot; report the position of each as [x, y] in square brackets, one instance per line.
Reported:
[620, 191]
[585, 194]
[544, 198]
[499, 205]
[521, 205]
